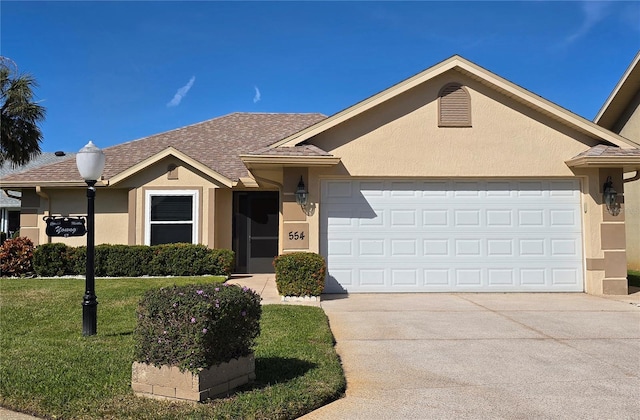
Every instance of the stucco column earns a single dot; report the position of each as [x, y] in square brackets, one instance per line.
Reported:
[613, 238]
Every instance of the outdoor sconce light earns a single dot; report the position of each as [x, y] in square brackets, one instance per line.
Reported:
[301, 194]
[90, 161]
[610, 198]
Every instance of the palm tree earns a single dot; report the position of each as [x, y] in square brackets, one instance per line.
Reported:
[21, 136]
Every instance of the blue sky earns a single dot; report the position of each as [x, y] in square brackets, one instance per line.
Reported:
[118, 71]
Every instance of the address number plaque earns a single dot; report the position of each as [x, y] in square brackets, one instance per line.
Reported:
[296, 236]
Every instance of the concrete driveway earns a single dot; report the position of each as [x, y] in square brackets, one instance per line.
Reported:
[471, 356]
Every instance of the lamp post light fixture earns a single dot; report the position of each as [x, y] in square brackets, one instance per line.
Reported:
[301, 194]
[90, 161]
[610, 197]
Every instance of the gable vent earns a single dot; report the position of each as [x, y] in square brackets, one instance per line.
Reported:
[454, 106]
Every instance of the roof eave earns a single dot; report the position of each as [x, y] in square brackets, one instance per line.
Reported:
[629, 163]
[252, 161]
[48, 184]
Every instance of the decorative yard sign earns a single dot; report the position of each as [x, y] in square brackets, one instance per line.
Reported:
[65, 226]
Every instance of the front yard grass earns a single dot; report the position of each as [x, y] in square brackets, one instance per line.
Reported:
[48, 369]
[633, 278]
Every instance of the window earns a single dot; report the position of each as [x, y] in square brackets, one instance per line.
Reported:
[171, 217]
[454, 106]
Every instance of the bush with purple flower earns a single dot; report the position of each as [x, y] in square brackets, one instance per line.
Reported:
[196, 326]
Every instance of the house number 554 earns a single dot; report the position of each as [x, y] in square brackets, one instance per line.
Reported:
[296, 236]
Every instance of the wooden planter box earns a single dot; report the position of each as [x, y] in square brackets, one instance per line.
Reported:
[167, 382]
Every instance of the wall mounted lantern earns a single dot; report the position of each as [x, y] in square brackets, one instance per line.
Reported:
[610, 197]
[301, 194]
[90, 161]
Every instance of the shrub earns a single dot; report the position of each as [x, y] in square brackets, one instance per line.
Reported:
[300, 274]
[16, 257]
[58, 259]
[78, 260]
[52, 259]
[122, 260]
[179, 260]
[221, 262]
[196, 326]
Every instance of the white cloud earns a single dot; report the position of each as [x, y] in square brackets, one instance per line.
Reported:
[257, 96]
[181, 93]
[594, 12]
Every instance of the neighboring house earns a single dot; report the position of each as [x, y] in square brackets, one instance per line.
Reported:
[10, 200]
[452, 180]
[621, 114]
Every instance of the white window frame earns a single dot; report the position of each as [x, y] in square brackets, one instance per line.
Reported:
[195, 196]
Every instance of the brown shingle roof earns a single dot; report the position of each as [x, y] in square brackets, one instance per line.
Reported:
[608, 151]
[300, 150]
[215, 143]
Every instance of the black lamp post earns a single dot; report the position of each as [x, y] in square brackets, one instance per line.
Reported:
[90, 161]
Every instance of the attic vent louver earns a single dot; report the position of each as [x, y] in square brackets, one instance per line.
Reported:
[454, 106]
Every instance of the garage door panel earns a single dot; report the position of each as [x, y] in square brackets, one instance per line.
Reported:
[463, 279]
[456, 246]
[449, 235]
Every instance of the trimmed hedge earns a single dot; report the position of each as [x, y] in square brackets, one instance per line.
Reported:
[58, 259]
[55, 259]
[196, 326]
[300, 274]
[16, 256]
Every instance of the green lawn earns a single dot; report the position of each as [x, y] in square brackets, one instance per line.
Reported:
[633, 278]
[49, 369]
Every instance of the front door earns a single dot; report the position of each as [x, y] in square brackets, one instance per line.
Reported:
[255, 230]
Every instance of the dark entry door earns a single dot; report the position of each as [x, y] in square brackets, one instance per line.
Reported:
[255, 231]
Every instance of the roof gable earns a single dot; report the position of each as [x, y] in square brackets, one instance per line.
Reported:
[469, 69]
[170, 151]
[620, 98]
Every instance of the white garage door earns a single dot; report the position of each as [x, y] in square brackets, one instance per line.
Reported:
[451, 236]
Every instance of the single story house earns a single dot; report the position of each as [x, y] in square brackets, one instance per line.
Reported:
[621, 114]
[452, 180]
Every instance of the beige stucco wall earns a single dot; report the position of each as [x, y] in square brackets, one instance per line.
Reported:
[223, 233]
[630, 128]
[111, 214]
[632, 217]
[402, 138]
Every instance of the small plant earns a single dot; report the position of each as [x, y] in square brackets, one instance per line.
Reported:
[196, 326]
[16, 256]
[300, 274]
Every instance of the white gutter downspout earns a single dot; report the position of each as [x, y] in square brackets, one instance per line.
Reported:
[633, 178]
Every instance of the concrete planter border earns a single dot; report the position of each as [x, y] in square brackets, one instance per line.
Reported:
[302, 299]
[168, 383]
